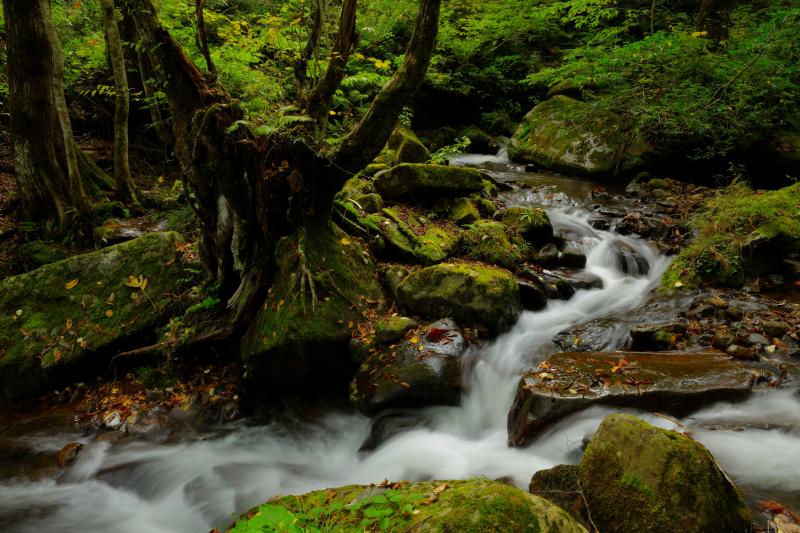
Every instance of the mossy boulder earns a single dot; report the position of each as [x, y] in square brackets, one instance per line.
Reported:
[426, 183]
[532, 223]
[493, 242]
[325, 284]
[471, 506]
[471, 294]
[422, 369]
[480, 142]
[637, 477]
[463, 211]
[405, 147]
[671, 382]
[409, 235]
[62, 320]
[573, 137]
[561, 485]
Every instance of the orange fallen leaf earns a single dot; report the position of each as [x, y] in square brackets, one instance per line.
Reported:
[772, 506]
[71, 284]
[109, 313]
[57, 356]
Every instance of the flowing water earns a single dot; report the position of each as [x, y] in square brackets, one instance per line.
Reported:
[142, 486]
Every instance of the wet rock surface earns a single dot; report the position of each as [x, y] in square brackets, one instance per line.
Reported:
[665, 479]
[423, 369]
[672, 382]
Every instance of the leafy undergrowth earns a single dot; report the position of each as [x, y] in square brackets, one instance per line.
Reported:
[740, 233]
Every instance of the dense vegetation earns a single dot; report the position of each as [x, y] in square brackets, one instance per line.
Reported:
[687, 92]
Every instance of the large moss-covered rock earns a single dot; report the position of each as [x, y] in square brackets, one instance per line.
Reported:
[423, 369]
[471, 294]
[671, 382]
[637, 477]
[532, 223]
[472, 506]
[426, 183]
[569, 136]
[493, 242]
[405, 147]
[298, 333]
[61, 320]
[410, 236]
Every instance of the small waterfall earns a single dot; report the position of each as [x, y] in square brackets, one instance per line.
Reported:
[140, 486]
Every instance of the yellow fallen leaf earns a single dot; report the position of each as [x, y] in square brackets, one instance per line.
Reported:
[109, 313]
[414, 340]
[345, 241]
[71, 284]
[69, 324]
[143, 284]
[83, 343]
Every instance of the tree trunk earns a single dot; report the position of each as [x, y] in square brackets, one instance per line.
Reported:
[45, 154]
[126, 191]
[714, 17]
[249, 192]
[201, 36]
[317, 100]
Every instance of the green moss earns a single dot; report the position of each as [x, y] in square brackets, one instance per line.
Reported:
[532, 224]
[325, 284]
[426, 183]
[463, 211]
[52, 325]
[392, 329]
[573, 137]
[469, 293]
[493, 242]
[473, 506]
[413, 237]
[739, 233]
[665, 480]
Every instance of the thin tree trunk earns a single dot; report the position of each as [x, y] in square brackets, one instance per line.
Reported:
[312, 45]
[367, 139]
[76, 191]
[317, 101]
[126, 191]
[202, 41]
[158, 122]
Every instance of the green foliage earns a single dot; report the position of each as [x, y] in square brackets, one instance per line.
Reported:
[440, 156]
[739, 232]
[374, 513]
[689, 94]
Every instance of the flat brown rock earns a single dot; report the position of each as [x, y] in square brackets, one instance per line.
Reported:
[670, 382]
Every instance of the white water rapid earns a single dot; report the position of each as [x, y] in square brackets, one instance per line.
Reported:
[141, 486]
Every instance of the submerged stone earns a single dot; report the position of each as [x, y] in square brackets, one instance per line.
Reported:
[671, 382]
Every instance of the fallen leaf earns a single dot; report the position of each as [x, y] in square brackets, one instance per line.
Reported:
[109, 313]
[414, 340]
[69, 324]
[345, 241]
[772, 506]
[71, 284]
[57, 356]
[441, 488]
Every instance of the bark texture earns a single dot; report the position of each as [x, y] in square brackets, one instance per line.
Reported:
[126, 191]
[714, 17]
[249, 192]
[47, 160]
